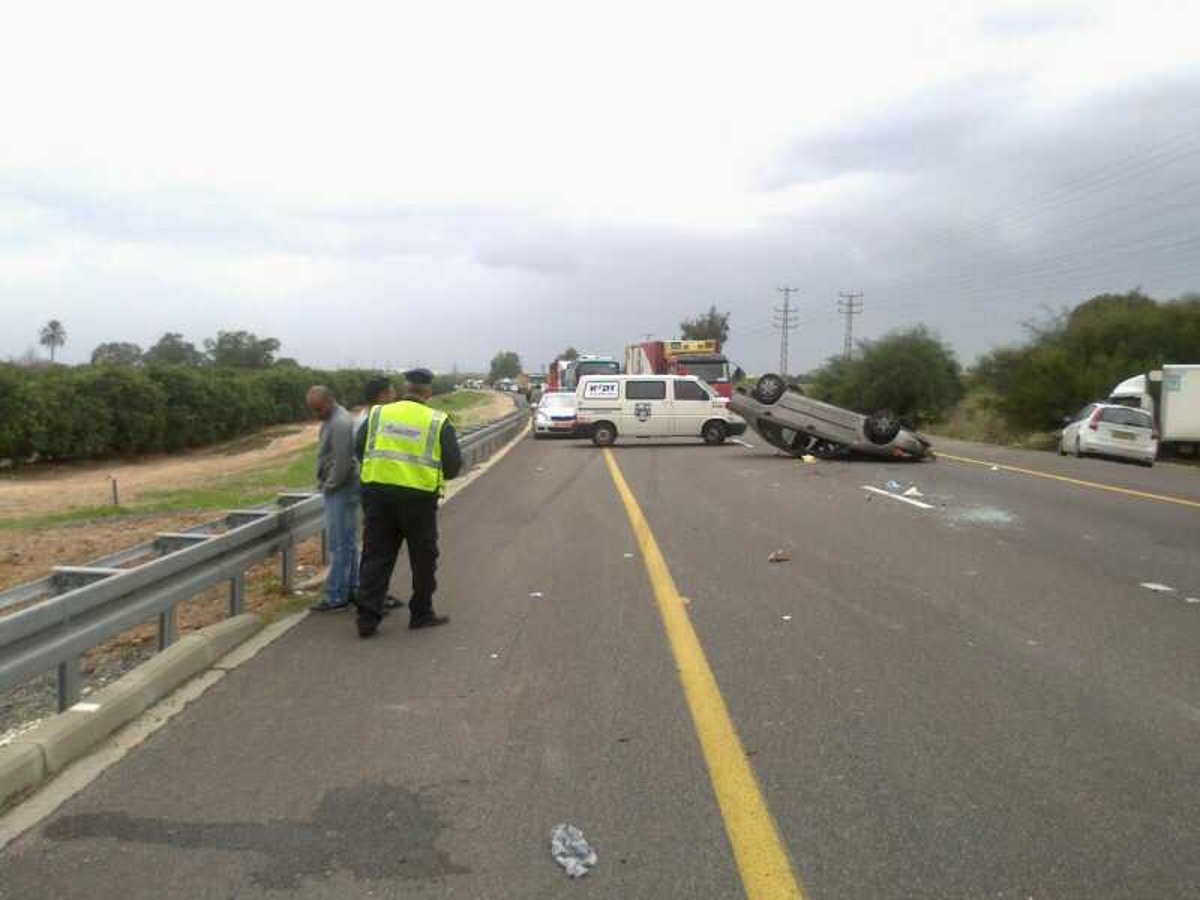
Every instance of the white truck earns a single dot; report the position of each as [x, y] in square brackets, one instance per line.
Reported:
[1172, 396]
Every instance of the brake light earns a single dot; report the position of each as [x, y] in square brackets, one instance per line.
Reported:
[1094, 422]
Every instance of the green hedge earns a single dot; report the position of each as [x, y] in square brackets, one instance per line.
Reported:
[95, 411]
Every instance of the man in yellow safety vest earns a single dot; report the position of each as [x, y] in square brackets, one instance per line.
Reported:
[408, 451]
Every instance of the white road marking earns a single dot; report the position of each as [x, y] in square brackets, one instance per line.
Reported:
[1155, 586]
[917, 503]
[742, 443]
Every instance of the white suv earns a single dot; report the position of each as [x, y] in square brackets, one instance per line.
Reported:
[652, 406]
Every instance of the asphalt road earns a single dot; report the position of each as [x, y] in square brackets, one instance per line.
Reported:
[974, 697]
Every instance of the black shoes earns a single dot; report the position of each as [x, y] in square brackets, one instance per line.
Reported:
[367, 629]
[429, 621]
[330, 607]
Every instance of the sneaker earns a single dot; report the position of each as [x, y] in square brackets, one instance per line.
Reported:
[323, 606]
[367, 629]
[393, 603]
[429, 621]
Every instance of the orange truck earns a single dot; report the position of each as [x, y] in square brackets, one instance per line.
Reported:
[703, 359]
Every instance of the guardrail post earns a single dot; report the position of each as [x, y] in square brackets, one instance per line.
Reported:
[287, 574]
[237, 594]
[168, 628]
[70, 683]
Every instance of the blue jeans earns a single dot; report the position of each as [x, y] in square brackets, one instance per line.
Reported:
[341, 536]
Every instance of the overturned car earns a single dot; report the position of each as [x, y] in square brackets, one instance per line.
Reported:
[801, 426]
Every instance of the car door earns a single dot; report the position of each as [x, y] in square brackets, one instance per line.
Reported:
[691, 407]
[1070, 433]
[646, 408]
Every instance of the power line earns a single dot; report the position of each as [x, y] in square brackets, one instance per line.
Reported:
[850, 304]
[785, 320]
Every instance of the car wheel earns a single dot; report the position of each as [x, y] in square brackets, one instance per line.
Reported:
[1078, 450]
[605, 435]
[769, 389]
[881, 428]
[713, 433]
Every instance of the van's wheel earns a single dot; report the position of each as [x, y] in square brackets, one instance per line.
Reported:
[881, 428]
[605, 435]
[713, 433]
[769, 389]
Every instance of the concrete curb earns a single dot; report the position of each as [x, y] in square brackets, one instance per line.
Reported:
[51, 746]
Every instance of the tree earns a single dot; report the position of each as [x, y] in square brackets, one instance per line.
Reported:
[53, 335]
[241, 350]
[505, 364]
[912, 373]
[173, 350]
[570, 354]
[711, 326]
[117, 353]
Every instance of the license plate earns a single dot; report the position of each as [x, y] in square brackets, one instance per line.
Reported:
[1125, 435]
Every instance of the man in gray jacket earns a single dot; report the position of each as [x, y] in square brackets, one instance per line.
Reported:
[337, 477]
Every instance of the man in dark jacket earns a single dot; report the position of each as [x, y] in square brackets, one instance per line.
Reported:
[408, 451]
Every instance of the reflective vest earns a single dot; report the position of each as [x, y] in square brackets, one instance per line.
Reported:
[404, 446]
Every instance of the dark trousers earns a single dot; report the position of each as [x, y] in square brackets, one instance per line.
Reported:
[392, 516]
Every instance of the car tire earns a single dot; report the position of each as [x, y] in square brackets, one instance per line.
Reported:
[881, 428]
[769, 389]
[1078, 453]
[713, 433]
[604, 435]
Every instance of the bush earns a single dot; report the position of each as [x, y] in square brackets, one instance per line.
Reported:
[104, 410]
[911, 373]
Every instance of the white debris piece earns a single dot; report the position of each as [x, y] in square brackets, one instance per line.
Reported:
[995, 468]
[571, 850]
[536, 595]
[913, 491]
[1155, 586]
[1192, 600]
[778, 556]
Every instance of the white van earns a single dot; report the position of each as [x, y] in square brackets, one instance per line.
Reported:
[652, 406]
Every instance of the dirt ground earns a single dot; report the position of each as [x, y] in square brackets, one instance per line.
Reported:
[27, 554]
[39, 490]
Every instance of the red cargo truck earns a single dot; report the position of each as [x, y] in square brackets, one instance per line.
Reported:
[703, 359]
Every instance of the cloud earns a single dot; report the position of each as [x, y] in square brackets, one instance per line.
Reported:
[1033, 20]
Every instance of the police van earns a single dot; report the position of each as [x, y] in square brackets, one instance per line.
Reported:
[652, 406]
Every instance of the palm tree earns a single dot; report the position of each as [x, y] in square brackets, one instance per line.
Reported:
[53, 336]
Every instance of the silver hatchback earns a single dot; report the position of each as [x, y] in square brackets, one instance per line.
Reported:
[797, 424]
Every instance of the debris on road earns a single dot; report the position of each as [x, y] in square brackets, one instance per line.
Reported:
[495, 656]
[629, 556]
[808, 458]
[913, 491]
[894, 486]
[778, 556]
[1155, 586]
[1192, 600]
[995, 468]
[536, 595]
[571, 850]
[786, 618]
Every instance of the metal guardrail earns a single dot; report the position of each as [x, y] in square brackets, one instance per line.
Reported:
[53, 621]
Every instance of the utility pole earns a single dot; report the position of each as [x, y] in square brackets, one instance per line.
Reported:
[785, 321]
[849, 305]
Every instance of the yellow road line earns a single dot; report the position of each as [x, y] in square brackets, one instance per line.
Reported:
[1162, 498]
[762, 860]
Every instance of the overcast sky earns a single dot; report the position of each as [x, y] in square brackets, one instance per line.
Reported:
[432, 182]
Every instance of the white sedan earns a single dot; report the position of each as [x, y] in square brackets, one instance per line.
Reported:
[1105, 429]
[555, 415]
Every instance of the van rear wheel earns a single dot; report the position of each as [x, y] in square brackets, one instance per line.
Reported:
[605, 435]
[713, 433]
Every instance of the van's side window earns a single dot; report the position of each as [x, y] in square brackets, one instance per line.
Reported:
[645, 390]
[690, 390]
